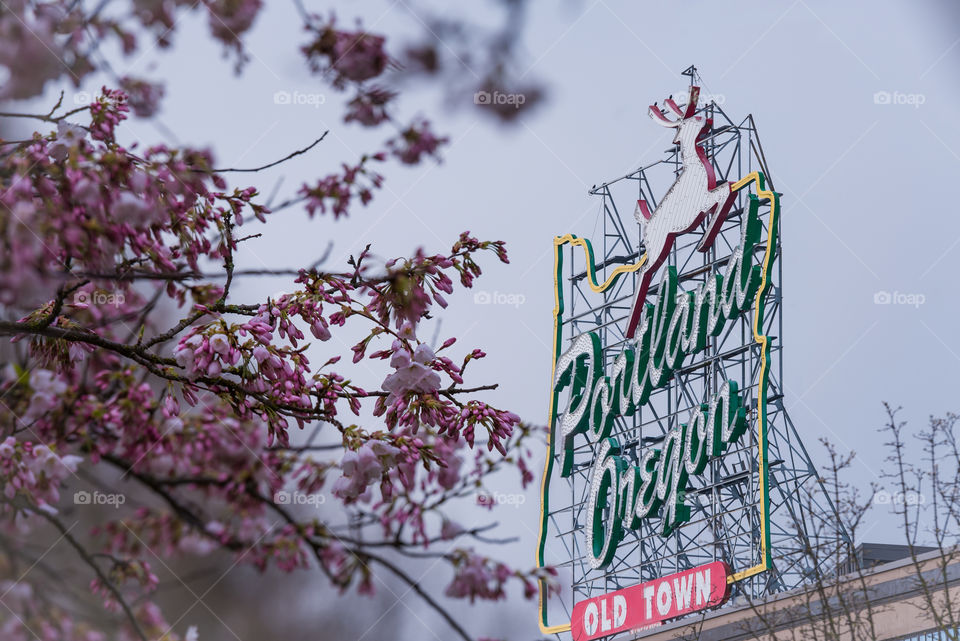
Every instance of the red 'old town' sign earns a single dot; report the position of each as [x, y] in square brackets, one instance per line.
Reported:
[652, 602]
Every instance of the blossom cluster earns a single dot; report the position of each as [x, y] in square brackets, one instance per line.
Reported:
[34, 472]
[340, 190]
[479, 577]
[78, 204]
[350, 56]
[45, 41]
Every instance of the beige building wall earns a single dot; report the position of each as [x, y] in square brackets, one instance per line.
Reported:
[892, 601]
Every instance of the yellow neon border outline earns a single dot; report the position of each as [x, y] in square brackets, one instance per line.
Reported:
[592, 269]
[762, 339]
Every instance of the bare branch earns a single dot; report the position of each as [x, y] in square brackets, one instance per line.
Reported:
[89, 560]
[294, 154]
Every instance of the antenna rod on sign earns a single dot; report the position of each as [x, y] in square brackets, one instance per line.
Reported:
[692, 72]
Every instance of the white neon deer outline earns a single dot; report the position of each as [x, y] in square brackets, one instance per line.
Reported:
[694, 195]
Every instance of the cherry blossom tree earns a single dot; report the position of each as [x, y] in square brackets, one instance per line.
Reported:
[130, 353]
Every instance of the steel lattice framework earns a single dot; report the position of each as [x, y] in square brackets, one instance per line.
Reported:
[725, 501]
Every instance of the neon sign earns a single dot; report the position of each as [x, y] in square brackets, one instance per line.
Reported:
[591, 389]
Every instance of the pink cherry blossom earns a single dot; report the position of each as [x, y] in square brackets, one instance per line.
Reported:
[352, 56]
[362, 468]
[29, 50]
[412, 374]
[144, 96]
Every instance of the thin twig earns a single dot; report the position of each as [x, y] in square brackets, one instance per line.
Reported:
[65, 532]
[294, 154]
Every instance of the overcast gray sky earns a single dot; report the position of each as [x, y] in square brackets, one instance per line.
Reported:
[869, 189]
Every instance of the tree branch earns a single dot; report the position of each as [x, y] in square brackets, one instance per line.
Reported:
[65, 533]
[415, 586]
[294, 154]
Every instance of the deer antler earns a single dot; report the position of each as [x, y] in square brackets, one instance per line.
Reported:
[673, 107]
[682, 114]
[658, 117]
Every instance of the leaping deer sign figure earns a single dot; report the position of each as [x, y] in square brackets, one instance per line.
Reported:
[694, 195]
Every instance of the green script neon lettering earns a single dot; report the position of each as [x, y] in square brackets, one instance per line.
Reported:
[676, 325]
